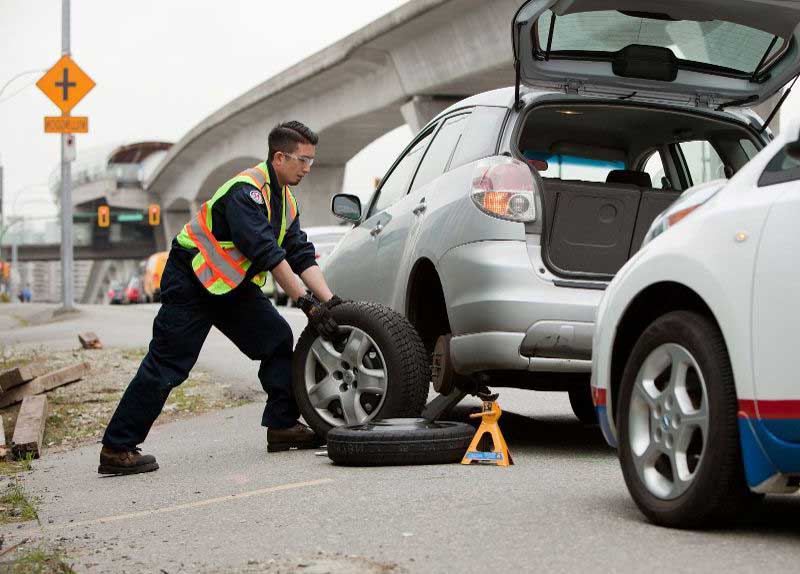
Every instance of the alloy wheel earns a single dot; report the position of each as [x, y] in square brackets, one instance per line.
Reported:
[346, 379]
[668, 421]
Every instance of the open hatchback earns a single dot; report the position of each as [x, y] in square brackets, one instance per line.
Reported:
[697, 52]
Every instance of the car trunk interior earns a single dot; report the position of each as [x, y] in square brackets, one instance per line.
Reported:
[609, 169]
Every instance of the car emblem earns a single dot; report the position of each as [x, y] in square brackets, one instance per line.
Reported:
[665, 421]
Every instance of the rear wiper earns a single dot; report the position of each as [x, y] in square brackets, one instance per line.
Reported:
[778, 105]
[754, 77]
[740, 102]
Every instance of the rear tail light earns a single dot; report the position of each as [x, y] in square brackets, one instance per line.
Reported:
[503, 187]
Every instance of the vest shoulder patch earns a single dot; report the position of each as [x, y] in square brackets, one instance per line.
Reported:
[256, 196]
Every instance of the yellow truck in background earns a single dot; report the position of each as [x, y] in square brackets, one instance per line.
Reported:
[152, 276]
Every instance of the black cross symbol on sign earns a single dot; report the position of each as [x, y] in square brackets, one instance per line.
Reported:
[65, 84]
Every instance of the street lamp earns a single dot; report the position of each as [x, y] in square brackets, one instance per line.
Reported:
[25, 73]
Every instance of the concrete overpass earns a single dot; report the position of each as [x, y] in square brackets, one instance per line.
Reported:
[403, 68]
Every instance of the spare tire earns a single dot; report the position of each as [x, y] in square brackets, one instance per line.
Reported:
[377, 369]
[399, 442]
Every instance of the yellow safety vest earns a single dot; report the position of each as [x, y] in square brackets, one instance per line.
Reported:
[219, 265]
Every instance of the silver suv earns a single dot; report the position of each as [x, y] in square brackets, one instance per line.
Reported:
[498, 228]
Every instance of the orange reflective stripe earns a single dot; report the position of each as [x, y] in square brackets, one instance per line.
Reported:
[216, 245]
[206, 255]
[292, 206]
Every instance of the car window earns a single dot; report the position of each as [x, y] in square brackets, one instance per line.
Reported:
[749, 148]
[562, 166]
[396, 183]
[707, 42]
[780, 169]
[440, 151]
[655, 167]
[481, 135]
[703, 161]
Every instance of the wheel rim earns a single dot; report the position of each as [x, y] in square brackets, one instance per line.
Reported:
[346, 380]
[668, 421]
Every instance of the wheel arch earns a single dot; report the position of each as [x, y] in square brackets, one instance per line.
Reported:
[425, 305]
[653, 302]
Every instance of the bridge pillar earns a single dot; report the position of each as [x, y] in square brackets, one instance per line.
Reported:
[171, 220]
[419, 110]
[315, 192]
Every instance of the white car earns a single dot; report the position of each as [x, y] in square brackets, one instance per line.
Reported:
[694, 369]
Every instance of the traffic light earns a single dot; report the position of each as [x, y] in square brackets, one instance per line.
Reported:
[154, 214]
[103, 216]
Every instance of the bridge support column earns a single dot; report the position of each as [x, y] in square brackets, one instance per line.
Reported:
[315, 192]
[419, 110]
[171, 221]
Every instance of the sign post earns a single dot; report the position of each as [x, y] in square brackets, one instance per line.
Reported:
[66, 84]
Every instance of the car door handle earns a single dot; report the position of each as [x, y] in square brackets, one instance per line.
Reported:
[376, 230]
[420, 208]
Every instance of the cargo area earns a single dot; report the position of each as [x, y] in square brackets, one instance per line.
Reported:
[609, 169]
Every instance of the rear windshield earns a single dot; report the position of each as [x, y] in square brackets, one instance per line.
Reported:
[711, 42]
[560, 166]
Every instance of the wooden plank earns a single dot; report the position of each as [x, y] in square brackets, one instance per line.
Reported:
[89, 340]
[29, 430]
[3, 447]
[44, 383]
[19, 375]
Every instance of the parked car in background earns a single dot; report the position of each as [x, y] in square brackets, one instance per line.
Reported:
[325, 239]
[498, 228]
[116, 293]
[133, 290]
[151, 280]
[695, 373]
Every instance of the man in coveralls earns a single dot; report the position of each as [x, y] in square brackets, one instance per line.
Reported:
[213, 276]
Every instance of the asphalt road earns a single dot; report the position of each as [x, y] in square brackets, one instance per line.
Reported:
[220, 502]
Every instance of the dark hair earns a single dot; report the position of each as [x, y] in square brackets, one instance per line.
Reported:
[286, 136]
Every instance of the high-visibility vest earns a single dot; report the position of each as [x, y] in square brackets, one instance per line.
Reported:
[218, 264]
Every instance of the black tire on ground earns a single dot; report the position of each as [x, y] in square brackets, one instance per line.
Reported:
[394, 442]
[718, 492]
[407, 363]
[580, 399]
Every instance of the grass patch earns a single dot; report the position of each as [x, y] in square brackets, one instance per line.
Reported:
[136, 354]
[15, 506]
[11, 467]
[38, 561]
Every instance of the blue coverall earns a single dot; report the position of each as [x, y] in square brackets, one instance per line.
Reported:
[245, 316]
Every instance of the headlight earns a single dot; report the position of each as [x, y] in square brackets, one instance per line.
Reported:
[691, 199]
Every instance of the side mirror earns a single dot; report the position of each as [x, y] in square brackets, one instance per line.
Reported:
[793, 150]
[347, 207]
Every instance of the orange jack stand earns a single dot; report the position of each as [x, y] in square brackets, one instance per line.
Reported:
[499, 454]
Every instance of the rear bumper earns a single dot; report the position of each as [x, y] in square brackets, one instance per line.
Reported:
[499, 351]
[507, 314]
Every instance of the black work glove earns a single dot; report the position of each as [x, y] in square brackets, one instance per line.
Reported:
[333, 302]
[319, 315]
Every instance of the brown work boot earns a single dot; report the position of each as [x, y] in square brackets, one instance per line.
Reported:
[129, 461]
[298, 436]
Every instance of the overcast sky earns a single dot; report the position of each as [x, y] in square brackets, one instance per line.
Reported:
[161, 67]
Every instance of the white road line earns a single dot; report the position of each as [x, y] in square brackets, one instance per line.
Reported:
[187, 505]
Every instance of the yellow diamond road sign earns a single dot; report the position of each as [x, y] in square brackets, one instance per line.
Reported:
[65, 84]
